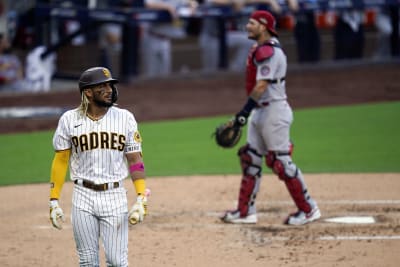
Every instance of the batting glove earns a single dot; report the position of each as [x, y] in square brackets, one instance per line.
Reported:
[138, 210]
[56, 214]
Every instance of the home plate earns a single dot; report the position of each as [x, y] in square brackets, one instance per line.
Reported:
[352, 219]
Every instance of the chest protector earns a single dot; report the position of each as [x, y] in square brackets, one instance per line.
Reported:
[258, 53]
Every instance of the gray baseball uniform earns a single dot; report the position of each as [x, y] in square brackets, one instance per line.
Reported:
[269, 124]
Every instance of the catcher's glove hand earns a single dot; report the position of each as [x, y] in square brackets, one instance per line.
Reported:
[228, 134]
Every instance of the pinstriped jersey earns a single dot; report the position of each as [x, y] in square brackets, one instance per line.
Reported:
[98, 147]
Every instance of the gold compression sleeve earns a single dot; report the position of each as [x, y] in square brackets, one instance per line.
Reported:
[140, 186]
[58, 172]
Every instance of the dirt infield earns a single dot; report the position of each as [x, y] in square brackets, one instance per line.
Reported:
[183, 228]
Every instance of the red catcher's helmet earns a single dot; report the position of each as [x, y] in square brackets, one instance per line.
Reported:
[266, 19]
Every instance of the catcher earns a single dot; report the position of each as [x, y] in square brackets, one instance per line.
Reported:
[268, 129]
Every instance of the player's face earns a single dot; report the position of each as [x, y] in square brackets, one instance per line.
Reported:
[254, 29]
[102, 95]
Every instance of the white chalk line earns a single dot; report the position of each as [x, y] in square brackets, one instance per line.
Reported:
[272, 203]
[336, 202]
[256, 236]
[287, 203]
[259, 239]
[360, 237]
[266, 214]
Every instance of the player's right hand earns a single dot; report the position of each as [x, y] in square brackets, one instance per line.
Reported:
[138, 210]
[56, 214]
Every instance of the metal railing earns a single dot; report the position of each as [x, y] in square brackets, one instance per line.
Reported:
[133, 17]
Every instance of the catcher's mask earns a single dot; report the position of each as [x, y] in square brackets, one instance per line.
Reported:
[98, 75]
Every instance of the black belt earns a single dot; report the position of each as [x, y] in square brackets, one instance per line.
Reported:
[278, 153]
[262, 104]
[276, 80]
[97, 187]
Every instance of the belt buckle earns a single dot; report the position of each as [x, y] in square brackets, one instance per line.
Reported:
[105, 186]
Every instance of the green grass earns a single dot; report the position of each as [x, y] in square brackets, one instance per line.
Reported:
[361, 138]
[25, 158]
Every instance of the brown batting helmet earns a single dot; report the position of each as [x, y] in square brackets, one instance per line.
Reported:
[95, 76]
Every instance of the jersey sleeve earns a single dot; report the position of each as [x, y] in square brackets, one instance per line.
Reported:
[61, 140]
[133, 137]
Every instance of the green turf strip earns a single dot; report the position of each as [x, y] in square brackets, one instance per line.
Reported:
[361, 138]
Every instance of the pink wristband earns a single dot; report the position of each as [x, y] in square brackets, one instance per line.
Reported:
[137, 167]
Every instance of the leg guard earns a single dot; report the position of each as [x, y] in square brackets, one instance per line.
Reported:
[287, 171]
[250, 162]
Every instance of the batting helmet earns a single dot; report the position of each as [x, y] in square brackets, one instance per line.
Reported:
[95, 76]
[267, 19]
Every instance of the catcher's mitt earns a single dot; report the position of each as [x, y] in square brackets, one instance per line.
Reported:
[228, 134]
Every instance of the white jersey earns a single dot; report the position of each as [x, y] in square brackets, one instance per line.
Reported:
[98, 147]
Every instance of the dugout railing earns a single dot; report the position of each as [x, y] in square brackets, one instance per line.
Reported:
[91, 18]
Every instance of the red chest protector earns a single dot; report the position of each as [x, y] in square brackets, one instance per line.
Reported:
[257, 53]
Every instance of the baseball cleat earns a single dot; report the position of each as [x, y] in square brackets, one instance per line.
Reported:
[234, 217]
[300, 217]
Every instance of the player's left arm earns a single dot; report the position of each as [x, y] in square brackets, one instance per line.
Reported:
[136, 168]
[137, 171]
[133, 154]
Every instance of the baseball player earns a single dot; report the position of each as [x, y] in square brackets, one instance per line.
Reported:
[156, 42]
[269, 126]
[102, 145]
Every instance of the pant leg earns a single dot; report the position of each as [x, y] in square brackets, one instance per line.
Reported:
[250, 158]
[275, 123]
[114, 234]
[113, 213]
[86, 233]
[276, 132]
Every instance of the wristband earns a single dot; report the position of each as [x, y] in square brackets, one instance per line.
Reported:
[136, 167]
[248, 107]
